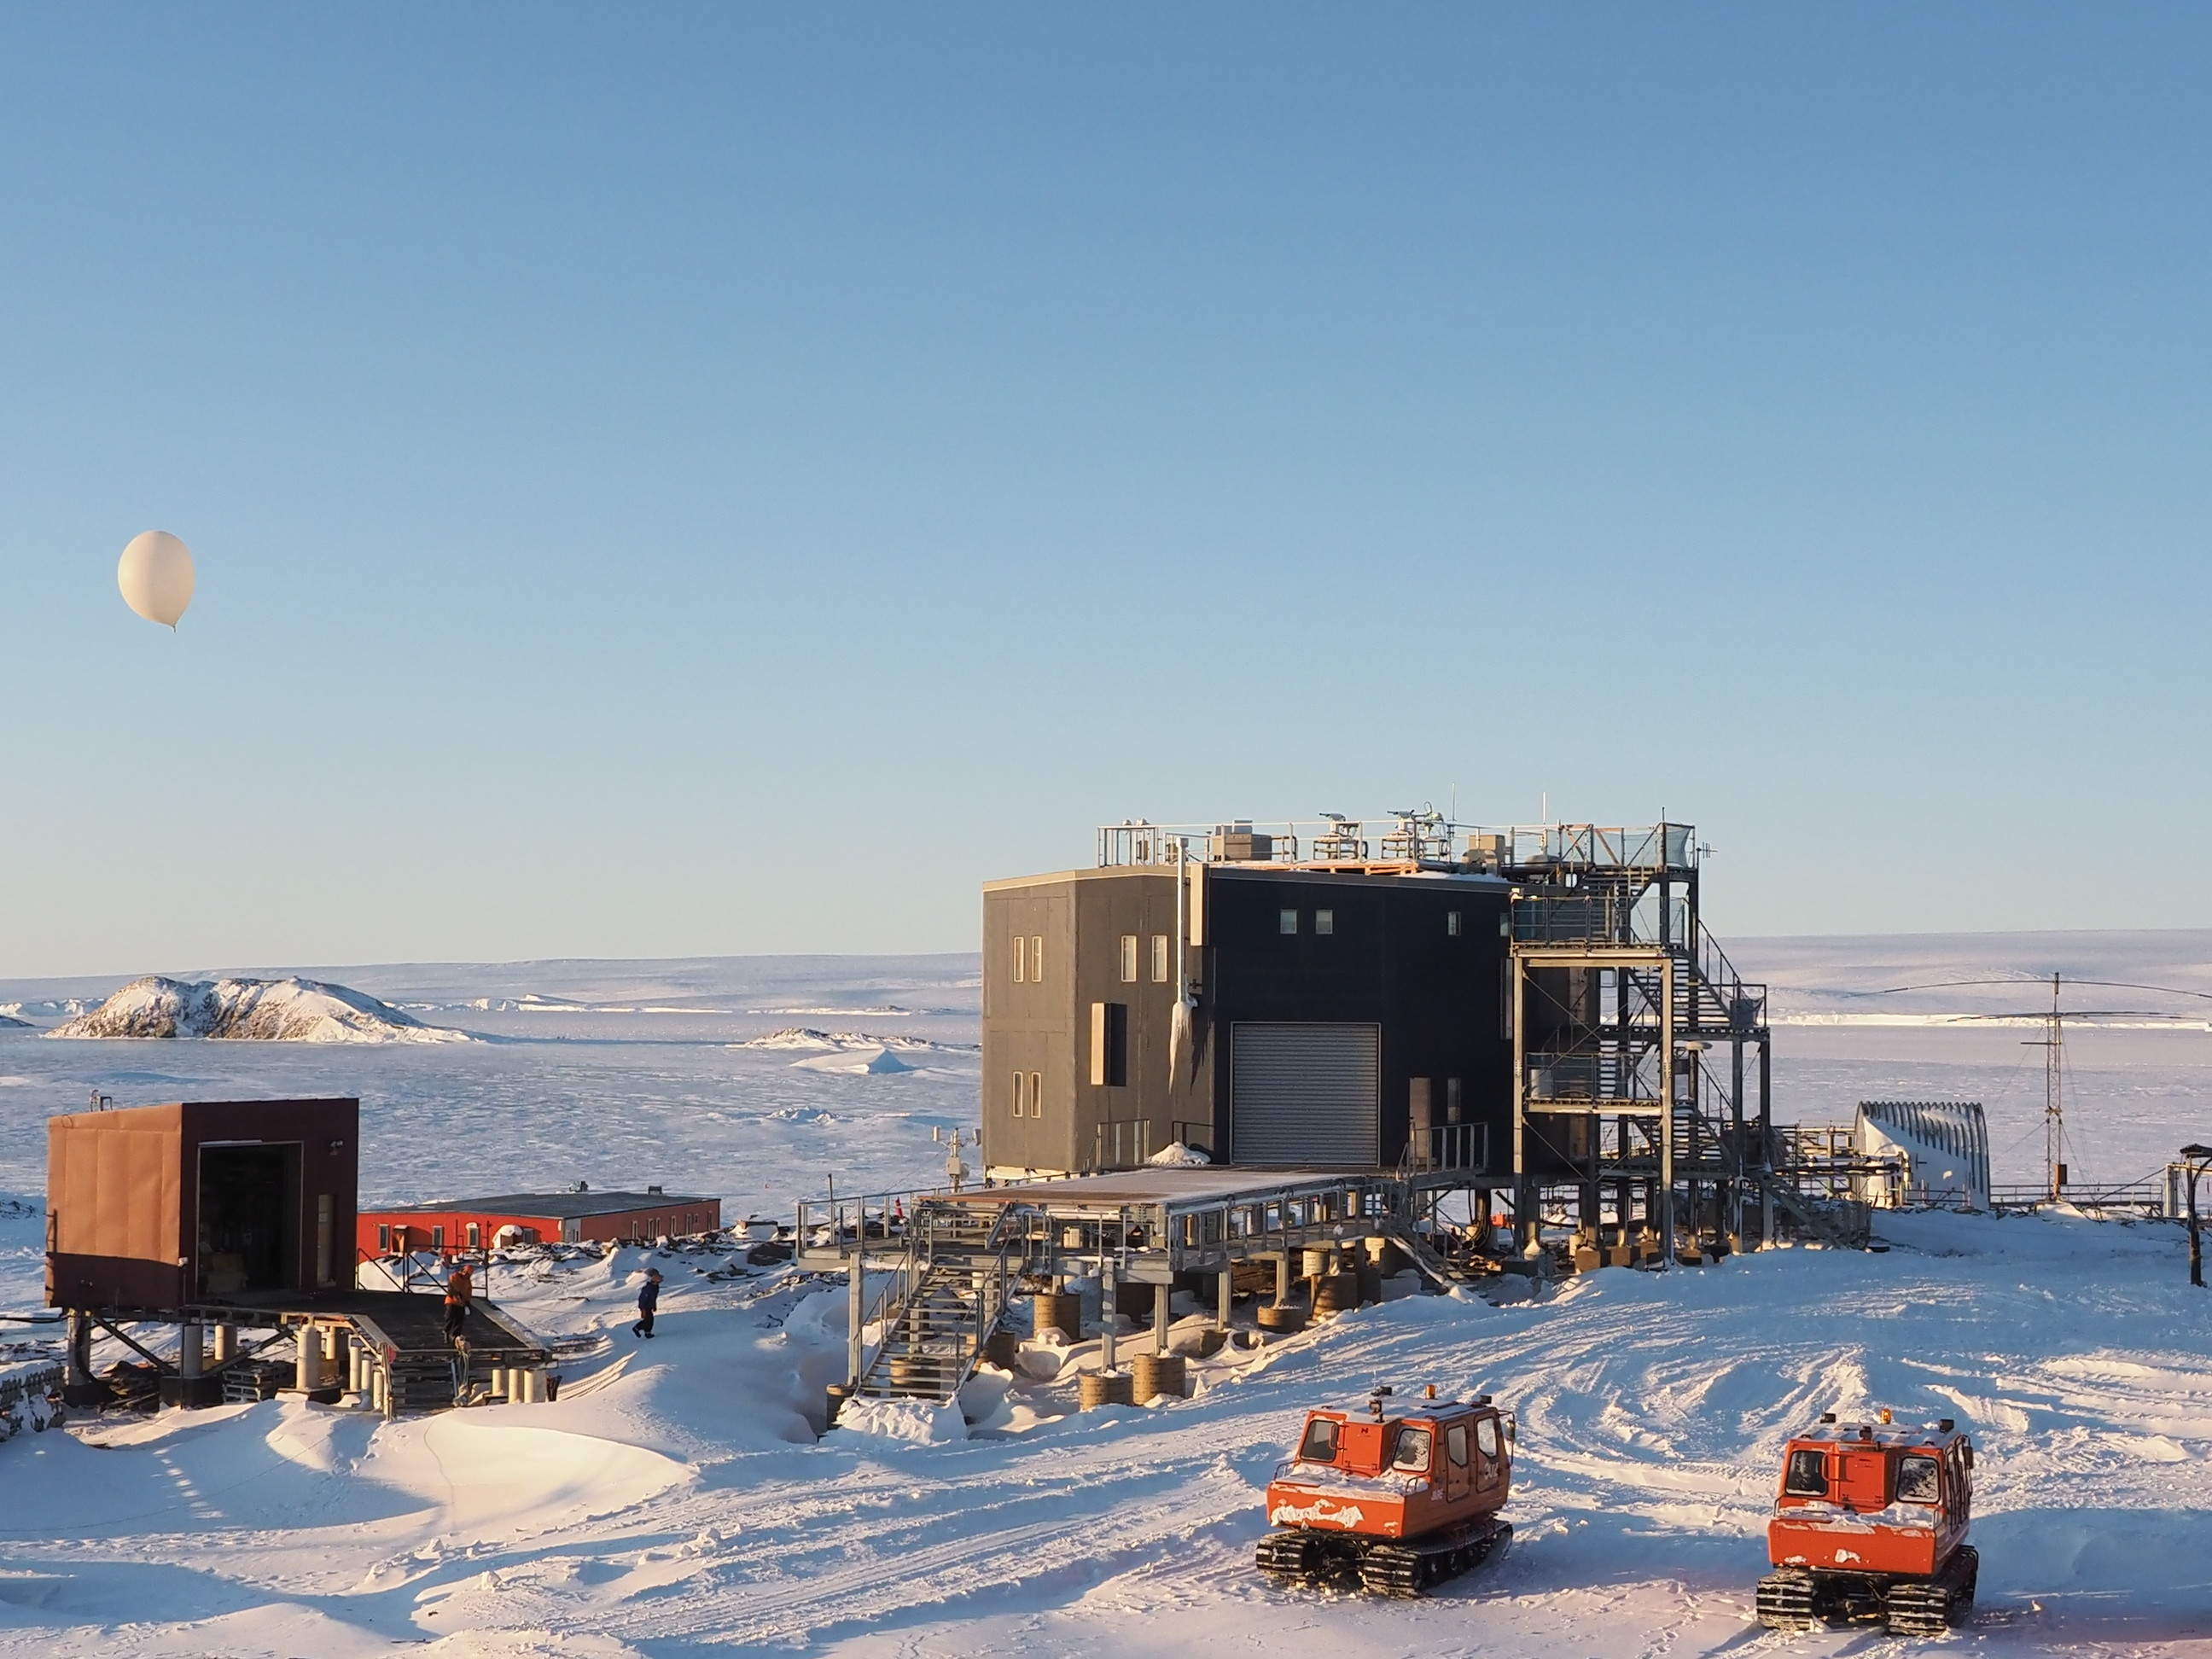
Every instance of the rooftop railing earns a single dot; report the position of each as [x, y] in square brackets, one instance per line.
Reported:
[1424, 836]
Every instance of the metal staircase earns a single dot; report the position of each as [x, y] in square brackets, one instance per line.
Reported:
[944, 1298]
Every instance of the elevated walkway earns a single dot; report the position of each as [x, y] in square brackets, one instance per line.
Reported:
[933, 1273]
[386, 1347]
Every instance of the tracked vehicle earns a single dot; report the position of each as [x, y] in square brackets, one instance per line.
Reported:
[1395, 1500]
[1870, 1526]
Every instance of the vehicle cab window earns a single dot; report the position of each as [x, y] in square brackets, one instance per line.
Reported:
[1456, 1444]
[1320, 1443]
[1919, 1480]
[1808, 1475]
[1411, 1452]
[1485, 1436]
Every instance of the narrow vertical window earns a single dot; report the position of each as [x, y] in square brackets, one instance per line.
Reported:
[1110, 1045]
[1324, 921]
[1017, 1094]
[1288, 922]
[1128, 958]
[476, 1236]
[1036, 1094]
[384, 1241]
[1036, 958]
[1159, 958]
[1021, 958]
[437, 1238]
[1452, 923]
[1452, 1100]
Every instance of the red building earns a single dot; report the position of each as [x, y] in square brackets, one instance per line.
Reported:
[476, 1223]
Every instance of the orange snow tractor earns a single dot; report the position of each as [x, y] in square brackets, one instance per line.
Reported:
[1394, 1500]
[1870, 1528]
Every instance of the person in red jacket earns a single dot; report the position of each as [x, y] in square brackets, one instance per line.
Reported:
[460, 1290]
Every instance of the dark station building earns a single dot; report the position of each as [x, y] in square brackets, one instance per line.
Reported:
[1342, 1015]
[1534, 1011]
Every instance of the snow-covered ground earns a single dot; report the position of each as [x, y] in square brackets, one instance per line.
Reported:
[675, 1500]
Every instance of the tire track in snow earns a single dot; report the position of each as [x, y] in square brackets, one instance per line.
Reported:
[747, 1609]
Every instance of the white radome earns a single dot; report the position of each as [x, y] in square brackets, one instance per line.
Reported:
[155, 575]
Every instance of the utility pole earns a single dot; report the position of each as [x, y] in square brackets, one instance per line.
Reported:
[2054, 1102]
[2195, 1157]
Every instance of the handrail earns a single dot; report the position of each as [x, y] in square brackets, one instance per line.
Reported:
[1415, 837]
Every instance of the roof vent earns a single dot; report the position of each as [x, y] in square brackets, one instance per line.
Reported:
[1946, 1425]
[653, 1192]
[1827, 1417]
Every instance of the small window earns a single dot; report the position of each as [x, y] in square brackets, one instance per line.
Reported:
[1456, 1444]
[1324, 921]
[476, 1236]
[1452, 923]
[1036, 958]
[1159, 958]
[1411, 1452]
[384, 1241]
[1485, 1437]
[437, 1238]
[1036, 1094]
[1808, 1475]
[1017, 1095]
[1289, 923]
[1320, 1444]
[1128, 958]
[1454, 1100]
[1917, 1481]
[1021, 958]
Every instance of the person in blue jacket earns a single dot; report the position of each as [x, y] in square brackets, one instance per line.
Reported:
[649, 1299]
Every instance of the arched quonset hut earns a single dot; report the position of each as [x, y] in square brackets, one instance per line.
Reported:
[1943, 1145]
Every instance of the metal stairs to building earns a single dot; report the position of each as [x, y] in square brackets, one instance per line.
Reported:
[945, 1298]
[426, 1372]
[1833, 1224]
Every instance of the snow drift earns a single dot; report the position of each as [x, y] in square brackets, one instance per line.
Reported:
[806, 1037]
[254, 1009]
[882, 1063]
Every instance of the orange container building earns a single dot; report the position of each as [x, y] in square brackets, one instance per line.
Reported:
[159, 1208]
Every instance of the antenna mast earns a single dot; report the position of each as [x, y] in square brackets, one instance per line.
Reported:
[2054, 1101]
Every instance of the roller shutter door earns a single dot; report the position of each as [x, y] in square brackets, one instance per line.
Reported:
[1304, 1095]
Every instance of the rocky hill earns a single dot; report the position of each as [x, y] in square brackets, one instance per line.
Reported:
[252, 1010]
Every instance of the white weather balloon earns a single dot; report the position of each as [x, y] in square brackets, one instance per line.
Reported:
[156, 576]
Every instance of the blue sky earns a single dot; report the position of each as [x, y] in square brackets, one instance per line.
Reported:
[733, 479]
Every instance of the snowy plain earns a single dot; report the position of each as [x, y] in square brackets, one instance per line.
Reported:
[676, 1500]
